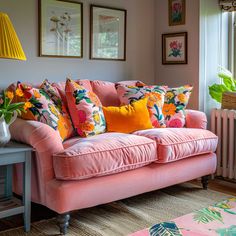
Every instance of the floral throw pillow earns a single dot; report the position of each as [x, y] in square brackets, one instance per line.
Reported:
[155, 95]
[40, 107]
[176, 100]
[85, 110]
[66, 126]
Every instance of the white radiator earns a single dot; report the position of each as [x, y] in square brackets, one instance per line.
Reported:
[223, 124]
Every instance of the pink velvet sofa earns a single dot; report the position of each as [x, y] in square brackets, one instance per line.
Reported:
[85, 172]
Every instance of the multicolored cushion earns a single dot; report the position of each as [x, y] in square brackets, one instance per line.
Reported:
[41, 108]
[176, 100]
[155, 95]
[67, 129]
[85, 110]
[128, 118]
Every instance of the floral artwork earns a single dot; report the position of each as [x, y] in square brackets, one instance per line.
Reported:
[176, 12]
[174, 48]
[216, 220]
[61, 28]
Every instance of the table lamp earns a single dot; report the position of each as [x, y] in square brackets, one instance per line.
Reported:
[10, 46]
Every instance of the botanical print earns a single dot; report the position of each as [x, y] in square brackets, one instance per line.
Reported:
[155, 95]
[61, 28]
[216, 220]
[176, 12]
[176, 100]
[175, 48]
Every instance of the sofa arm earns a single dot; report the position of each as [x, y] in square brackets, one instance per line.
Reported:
[196, 119]
[46, 141]
[40, 136]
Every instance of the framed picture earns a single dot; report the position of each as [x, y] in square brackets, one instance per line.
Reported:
[174, 48]
[107, 33]
[60, 28]
[176, 12]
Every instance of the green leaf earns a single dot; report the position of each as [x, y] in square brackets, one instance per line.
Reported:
[231, 231]
[216, 91]
[223, 205]
[8, 117]
[165, 229]
[228, 81]
[207, 215]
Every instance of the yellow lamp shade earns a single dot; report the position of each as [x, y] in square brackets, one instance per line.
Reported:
[10, 46]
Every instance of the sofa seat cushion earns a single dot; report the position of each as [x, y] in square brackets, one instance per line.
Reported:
[174, 144]
[103, 154]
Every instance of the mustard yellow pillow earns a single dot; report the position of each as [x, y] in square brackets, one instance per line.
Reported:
[129, 118]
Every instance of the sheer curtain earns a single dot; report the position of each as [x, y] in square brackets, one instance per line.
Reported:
[214, 46]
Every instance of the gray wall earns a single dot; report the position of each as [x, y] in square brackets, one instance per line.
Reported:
[140, 62]
[176, 75]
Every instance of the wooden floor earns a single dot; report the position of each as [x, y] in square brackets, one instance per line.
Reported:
[40, 212]
[220, 186]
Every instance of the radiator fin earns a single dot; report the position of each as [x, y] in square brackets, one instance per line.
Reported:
[223, 124]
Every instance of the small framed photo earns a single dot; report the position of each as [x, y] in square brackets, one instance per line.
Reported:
[174, 48]
[60, 28]
[107, 33]
[177, 12]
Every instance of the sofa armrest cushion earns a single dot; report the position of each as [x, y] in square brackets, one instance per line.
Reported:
[40, 136]
[196, 119]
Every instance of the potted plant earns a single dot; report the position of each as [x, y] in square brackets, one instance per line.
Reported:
[8, 113]
[225, 92]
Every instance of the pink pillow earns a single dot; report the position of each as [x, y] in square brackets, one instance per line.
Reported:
[85, 110]
[61, 87]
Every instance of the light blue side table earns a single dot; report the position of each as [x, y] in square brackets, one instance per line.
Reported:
[15, 153]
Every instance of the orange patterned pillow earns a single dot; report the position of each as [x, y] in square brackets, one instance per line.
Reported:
[40, 107]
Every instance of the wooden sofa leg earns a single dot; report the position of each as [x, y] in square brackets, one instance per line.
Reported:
[205, 180]
[63, 222]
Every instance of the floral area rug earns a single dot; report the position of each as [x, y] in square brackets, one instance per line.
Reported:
[216, 220]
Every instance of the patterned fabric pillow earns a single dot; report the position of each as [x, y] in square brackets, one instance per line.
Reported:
[176, 100]
[85, 110]
[155, 95]
[66, 126]
[40, 107]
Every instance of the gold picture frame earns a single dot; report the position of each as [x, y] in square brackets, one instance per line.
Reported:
[175, 48]
[60, 28]
[177, 12]
[107, 33]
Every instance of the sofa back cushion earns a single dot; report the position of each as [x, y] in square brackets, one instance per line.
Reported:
[106, 91]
